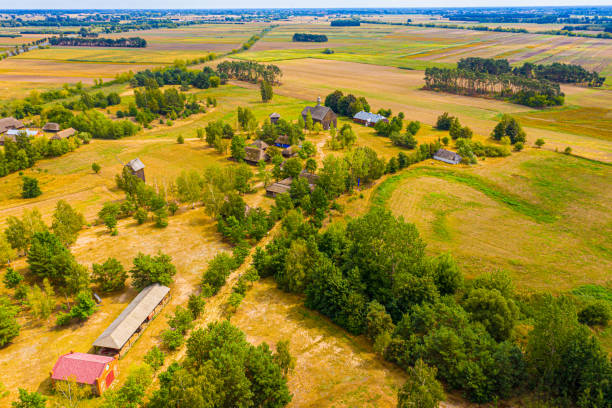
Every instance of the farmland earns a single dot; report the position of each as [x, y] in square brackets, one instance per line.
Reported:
[539, 215]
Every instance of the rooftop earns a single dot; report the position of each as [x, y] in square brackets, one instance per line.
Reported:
[85, 368]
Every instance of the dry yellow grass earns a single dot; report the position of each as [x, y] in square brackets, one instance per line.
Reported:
[333, 369]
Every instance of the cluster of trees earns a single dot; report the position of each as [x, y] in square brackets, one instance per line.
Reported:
[294, 131]
[99, 126]
[518, 89]
[89, 101]
[346, 105]
[393, 128]
[371, 276]
[304, 37]
[179, 75]
[555, 72]
[132, 42]
[345, 23]
[24, 152]
[344, 138]
[222, 369]
[140, 199]
[250, 71]
[171, 103]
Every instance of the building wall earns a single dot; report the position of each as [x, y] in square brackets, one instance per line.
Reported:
[100, 386]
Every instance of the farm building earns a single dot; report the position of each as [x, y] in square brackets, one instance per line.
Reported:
[64, 134]
[117, 339]
[282, 141]
[97, 371]
[260, 144]
[10, 123]
[136, 167]
[11, 134]
[284, 186]
[368, 118]
[291, 151]
[447, 156]
[274, 117]
[279, 187]
[51, 127]
[253, 155]
[321, 114]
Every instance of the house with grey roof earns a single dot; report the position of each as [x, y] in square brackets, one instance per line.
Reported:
[126, 328]
[136, 167]
[10, 123]
[321, 114]
[447, 156]
[369, 118]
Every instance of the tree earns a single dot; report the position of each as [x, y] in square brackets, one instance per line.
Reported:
[132, 393]
[308, 123]
[196, 305]
[109, 276]
[148, 270]
[509, 126]
[71, 394]
[155, 358]
[66, 223]
[29, 188]
[48, 258]
[7, 253]
[421, 389]
[180, 139]
[565, 359]
[446, 273]
[96, 167]
[283, 357]
[41, 301]
[378, 321]
[84, 306]
[237, 148]
[172, 339]
[568, 150]
[292, 167]
[539, 142]
[497, 313]
[12, 278]
[19, 232]
[444, 121]
[30, 400]
[189, 187]
[266, 91]
[108, 214]
[9, 328]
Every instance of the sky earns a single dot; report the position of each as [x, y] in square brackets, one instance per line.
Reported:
[208, 4]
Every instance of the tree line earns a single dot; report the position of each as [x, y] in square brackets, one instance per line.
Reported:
[132, 42]
[518, 89]
[179, 75]
[250, 71]
[555, 72]
[304, 37]
[346, 23]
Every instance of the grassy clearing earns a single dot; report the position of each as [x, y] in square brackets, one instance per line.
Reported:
[333, 368]
[543, 217]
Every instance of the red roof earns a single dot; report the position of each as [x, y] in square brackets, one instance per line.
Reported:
[85, 367]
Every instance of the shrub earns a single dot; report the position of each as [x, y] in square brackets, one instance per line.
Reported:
[29, 188]
[172, 339]
[596, 314]
[12, 278]
[180, 139]
[540, 142]
[96, 167]
[518, 146]
[568, 150]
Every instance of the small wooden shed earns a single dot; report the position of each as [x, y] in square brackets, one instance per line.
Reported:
[136, 167]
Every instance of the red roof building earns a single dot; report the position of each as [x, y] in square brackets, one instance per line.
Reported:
[97, 371]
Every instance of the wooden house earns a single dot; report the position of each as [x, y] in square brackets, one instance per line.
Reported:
[369, 118]
[51, 127]
[123, 332]
[274, 117]
[279, 187]
[282, 141]
[291, 151]
[11, 134]
[97, 371]
[260, 144]
[321, 114]
[64, 134]
[447, 156]
[136, 167]
[10, 123]
[253, 155]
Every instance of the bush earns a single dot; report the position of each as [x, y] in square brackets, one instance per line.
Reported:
[12, 278]
[180, 139]
[172, 339]
[96, 167]
[596, 314]
[444, 121]
[568, 150]
[29, 188]
[540, 142]
[109, 276]
[518, 146]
